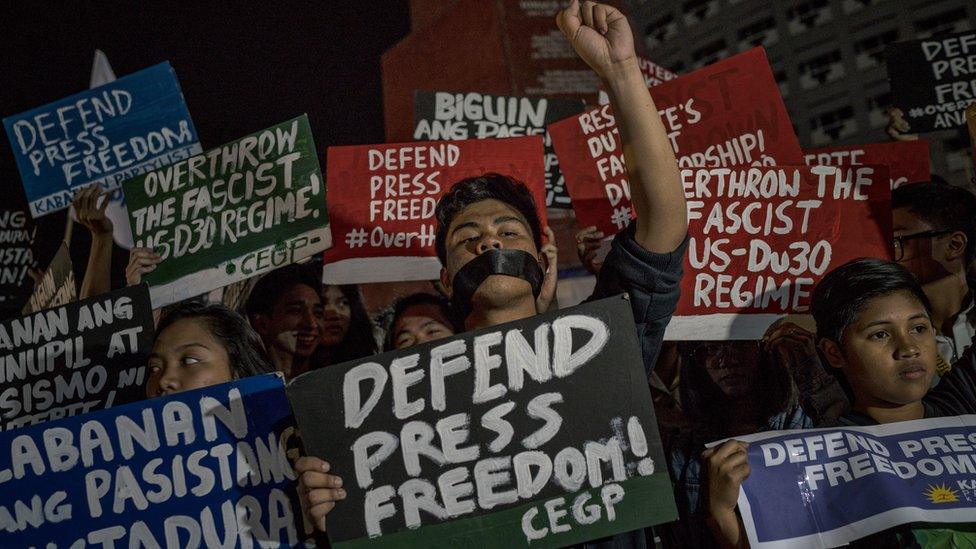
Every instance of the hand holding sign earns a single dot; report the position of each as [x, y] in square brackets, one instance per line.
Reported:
[141, 261]
[318, 490]
[728, 466]
[90, 213]
[601, 36]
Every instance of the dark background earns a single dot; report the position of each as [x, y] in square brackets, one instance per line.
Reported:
[242, 68]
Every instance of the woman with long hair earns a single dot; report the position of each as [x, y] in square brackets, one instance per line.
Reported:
[346, 329]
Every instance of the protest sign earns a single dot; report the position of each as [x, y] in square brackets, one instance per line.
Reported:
[104, 135]
[726, 114]
[828, 487]
[83, 356]
[535, 433]
[16, 257]
[654, 74]
[199, 468]
[57, 286]
[231, 213]
[382, 200]
[759, 240]
[933, 80]
[907, 161]
[445, 115]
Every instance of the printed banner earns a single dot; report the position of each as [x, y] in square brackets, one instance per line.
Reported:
[726, 114]
[761, 238]
[907, 161]
[457, 116]
[104, 135]
[16, 257]
[654, 74]
[535, 433]
[382, 200]
[84, 356]
[828, 487]
[56, 287]
[933, 80]
[200, 468]
[234, 212]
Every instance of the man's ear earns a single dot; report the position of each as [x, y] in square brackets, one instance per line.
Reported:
[955, 247]
[831, 351]
[446, 283]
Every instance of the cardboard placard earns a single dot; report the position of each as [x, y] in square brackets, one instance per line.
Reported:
[203, 468]
[549, 417]
[654, 75]
[231, 213]
[933, 80]
[761, 238]
[104, 135]
[382, 200]
[730, 113]
[83, 356]
[907, 161]
[828, 487]
[56, 287]
[456, 116]
[16, 257]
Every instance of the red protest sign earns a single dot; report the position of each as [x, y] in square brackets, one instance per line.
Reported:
[726, 114]
[907, 161]
[760, 238]
[381, 201]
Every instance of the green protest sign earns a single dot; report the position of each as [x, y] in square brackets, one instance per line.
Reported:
[231, 213]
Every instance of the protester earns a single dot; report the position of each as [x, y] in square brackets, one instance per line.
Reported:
[286, 311]
[419, 318]
[874, 327]
[347, 331]
[489, 237]
[200, 345]
[935, 239]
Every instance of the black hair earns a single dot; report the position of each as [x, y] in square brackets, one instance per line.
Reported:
[421, 298]
[270, 287]
[242, 343]
[359, 341]
[475, 189]
[944, 207]
[844, 292]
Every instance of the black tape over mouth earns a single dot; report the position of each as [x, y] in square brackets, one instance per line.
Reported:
[515, 263]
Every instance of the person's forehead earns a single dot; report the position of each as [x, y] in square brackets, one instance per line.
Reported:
[486, 211]
[904, 219]
[298, 293]
[895, 307]
[181, 332]
[415, 316]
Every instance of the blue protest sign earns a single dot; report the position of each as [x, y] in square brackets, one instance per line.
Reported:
[104, 135]
[828, 487]
[200, 468]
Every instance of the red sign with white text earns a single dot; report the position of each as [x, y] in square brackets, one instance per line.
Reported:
[381, 201]
[907, 161]
[730, 113]
[760, 238]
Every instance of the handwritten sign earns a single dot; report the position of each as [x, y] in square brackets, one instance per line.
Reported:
[76, 358]
[104, 135]
[200, 468]
[907, 161]
[444, 115]
[726, 114]
[234, 212]
[382, 200]
[57, 286]
[536, 433]
[16, 257]
[933, 80]
[761, 238]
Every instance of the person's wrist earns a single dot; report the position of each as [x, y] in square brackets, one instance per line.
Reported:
[622, 73]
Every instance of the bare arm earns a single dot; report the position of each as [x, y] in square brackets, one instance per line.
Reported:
[602, 37]
[92, 215]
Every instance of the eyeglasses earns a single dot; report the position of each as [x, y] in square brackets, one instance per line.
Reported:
[900, 240]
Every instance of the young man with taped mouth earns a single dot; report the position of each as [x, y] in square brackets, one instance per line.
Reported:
[874, 328]
[489, 237]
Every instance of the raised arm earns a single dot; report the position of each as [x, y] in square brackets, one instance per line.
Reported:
[601, 36]
[92, 216]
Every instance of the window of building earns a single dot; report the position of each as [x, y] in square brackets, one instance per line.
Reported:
[833, 126]
[878, 109]
[851, 6]
[821, 70]
[949, 22]
[807, 15]
[760, 33]
[660, 31]
[696, 11]
[710, 53]
[783, 81]
[958, 155]
[869, 53]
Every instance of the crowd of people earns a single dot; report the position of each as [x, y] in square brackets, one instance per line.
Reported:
[892, 342]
